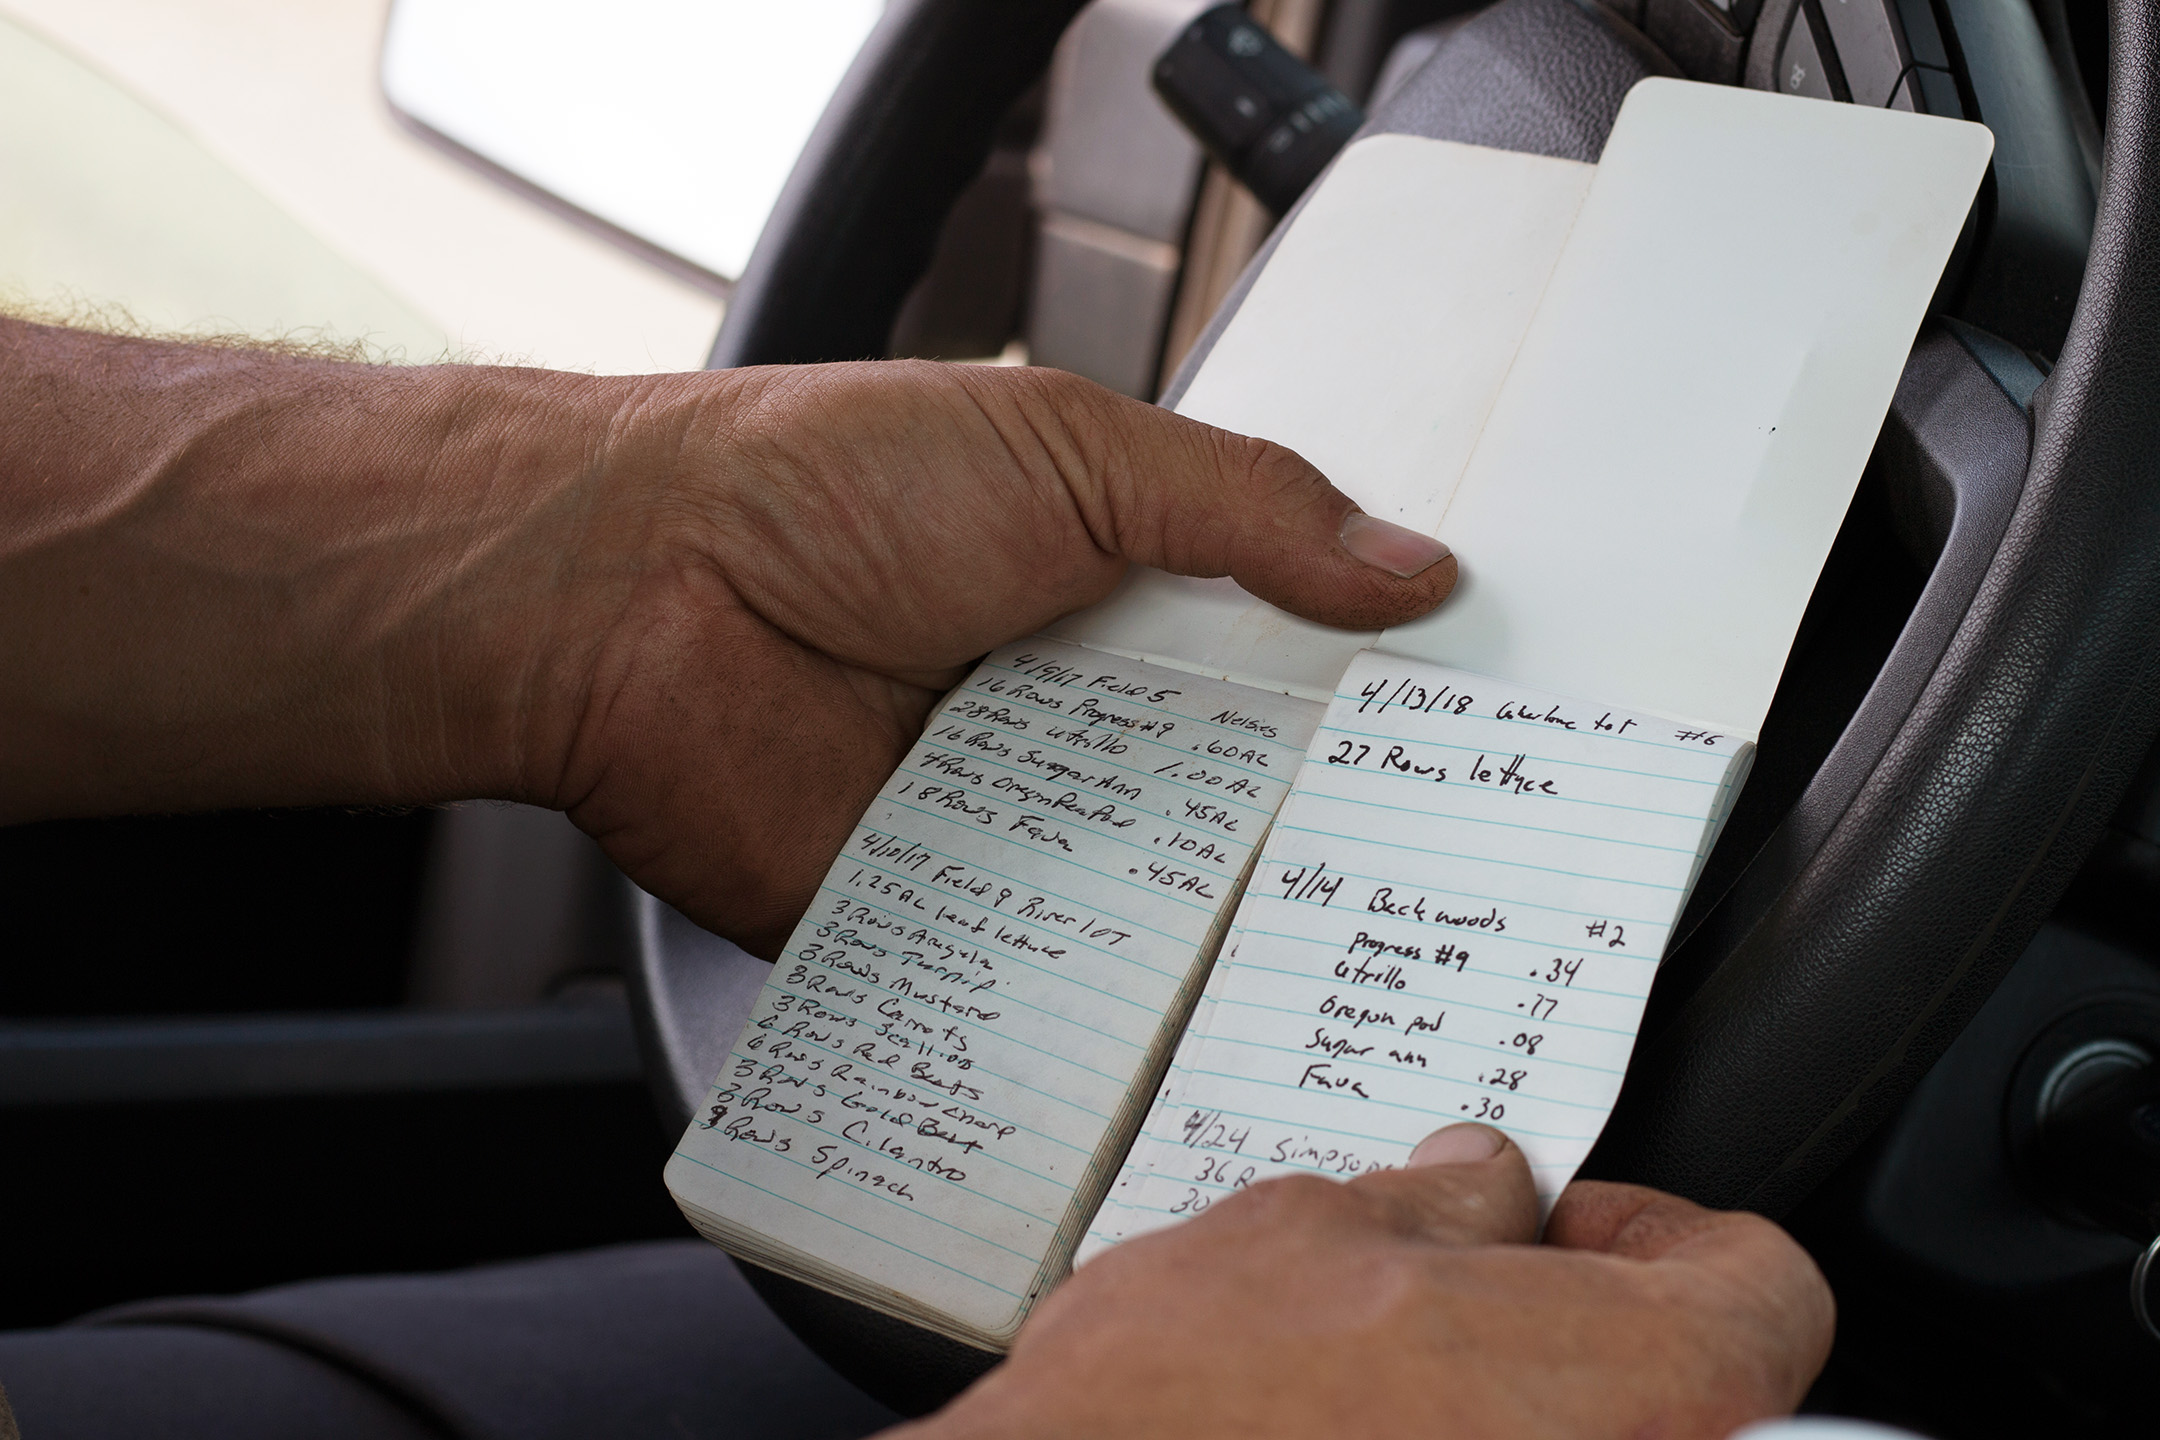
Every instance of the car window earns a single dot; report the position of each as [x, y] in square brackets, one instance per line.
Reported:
[676, 121]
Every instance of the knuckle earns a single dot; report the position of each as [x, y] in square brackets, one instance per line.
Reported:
[1275, 472]
[1077, 404]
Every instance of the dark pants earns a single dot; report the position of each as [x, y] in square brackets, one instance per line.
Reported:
[660, 1340]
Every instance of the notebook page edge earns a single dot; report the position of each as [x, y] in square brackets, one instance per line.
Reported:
[1214, 627]
[1475, 630]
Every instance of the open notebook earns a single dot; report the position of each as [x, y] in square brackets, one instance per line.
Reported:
[1635, 398]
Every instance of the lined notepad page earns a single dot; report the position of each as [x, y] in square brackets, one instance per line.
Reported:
[1637, 400]
[963, 1018]
[1457, 916]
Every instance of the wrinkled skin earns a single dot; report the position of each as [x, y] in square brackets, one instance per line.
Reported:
[1415, 1303]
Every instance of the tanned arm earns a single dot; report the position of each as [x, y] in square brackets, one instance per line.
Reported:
[703, 613]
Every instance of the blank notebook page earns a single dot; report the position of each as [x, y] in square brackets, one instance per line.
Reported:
[1374, 345]
[1655, 384]
[1652, 498]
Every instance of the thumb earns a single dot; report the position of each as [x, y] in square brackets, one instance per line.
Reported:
[1166, 491]
[1465, 1185]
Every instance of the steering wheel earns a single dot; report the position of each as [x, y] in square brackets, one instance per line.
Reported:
[1914, 815]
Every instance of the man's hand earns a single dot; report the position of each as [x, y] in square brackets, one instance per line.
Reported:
[704, 613]
[828, 547]
[1414, 1303]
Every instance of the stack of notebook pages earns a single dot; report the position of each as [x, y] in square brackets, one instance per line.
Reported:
[1438, 865]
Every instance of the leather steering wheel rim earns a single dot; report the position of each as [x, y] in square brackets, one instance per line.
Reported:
[1962, 836]
[1810, 996]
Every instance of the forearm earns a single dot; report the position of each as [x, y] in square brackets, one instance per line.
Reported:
[233, 578]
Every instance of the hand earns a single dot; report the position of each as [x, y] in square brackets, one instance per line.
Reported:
[819, 552]
[1413, 1302]
[704, 613]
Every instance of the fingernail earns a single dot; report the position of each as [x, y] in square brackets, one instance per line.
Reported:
[1457, 1145]
[1390, 547]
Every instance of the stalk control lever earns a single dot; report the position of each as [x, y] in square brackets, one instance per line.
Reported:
[1270, 119]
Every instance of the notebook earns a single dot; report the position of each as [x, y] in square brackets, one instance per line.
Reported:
[1438, 865]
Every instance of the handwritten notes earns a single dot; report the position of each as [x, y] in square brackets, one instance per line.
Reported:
[1456, 917]
[956, 1045]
